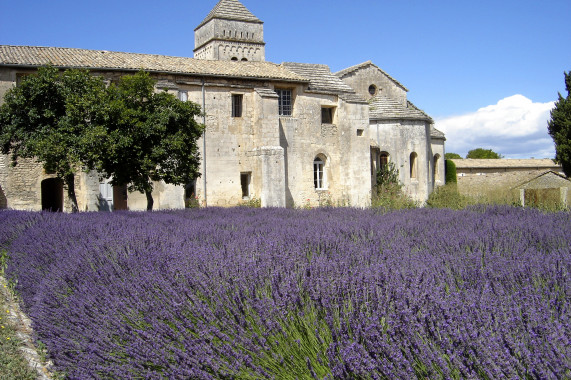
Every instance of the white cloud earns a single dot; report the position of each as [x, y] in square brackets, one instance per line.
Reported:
[515, 127]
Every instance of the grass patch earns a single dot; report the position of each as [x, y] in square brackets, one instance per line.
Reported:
[13, 365]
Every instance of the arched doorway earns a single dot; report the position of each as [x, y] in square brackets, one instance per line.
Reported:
[52, 195]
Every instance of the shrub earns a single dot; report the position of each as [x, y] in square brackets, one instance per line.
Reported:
[450, 171]
[388, 194]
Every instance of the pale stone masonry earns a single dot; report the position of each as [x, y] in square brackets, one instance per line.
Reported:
[478, 176]
[286, 134]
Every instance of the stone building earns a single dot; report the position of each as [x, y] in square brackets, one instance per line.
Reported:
[480, 176]
[287, 134]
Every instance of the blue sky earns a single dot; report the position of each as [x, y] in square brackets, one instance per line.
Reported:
[486, 71]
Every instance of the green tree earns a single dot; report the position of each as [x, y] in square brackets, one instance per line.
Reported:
[483, 153]
[449, 156]
[149, 137]
[559, 127]
[48, 117]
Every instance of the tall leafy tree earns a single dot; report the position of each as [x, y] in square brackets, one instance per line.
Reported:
[50, 116]
[483, 153]
[559, 127]
[452, 156]
[149, 137]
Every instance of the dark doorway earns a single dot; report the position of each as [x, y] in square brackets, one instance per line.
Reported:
[120, 197]
[52, 195]
[3, 200]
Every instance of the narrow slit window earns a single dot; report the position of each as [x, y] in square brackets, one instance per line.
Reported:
[237, 105]
[413, 166]
[245, 179]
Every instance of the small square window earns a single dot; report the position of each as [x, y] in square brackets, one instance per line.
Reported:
[183, 96]
[327, 115]
[237, 105]
[360, 132]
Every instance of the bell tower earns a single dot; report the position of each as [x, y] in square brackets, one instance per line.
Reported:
[230, 32]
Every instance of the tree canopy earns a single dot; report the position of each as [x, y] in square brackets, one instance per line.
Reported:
[48, 116]
[483, 153]
[559, 127]
[449, 156]
[151, 137]
[72, 121]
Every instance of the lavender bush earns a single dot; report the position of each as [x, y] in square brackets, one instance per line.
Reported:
[326, 293]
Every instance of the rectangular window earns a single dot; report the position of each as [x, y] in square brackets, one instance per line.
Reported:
[183, 96]
[245, 179]
[327, 115]
[284, 102]
[237, 105]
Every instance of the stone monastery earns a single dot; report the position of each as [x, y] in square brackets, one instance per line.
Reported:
[288, 134]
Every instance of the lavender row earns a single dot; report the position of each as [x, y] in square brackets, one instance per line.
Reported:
[326, 293]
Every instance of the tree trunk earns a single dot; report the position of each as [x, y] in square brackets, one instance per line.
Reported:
[70, 184]
[150, 201]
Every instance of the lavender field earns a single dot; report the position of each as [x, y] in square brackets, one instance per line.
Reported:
[326, 293]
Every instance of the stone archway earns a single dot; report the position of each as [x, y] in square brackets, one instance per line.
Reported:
[52, 195]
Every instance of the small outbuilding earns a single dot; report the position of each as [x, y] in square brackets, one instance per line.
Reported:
[549, 187]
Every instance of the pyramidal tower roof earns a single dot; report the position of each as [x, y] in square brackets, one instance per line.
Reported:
[230, 10]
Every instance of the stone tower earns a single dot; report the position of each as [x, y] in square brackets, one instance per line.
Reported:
[230, 32]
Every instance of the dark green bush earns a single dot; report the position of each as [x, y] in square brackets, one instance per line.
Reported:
[450, 171]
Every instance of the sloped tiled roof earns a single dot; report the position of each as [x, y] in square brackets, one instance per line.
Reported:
[322, 80]
[266, 92]
[34, 56]
[351, 69]
[436, 134]
[547, 180]
[481, 163]
[384, 108]
[230, 10]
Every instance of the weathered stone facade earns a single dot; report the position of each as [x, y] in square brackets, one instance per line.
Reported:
[477, 177]
[288, 135]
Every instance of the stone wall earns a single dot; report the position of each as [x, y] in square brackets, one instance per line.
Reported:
[225, 39]
[399, 139]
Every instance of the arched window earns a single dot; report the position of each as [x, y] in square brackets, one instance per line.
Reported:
[383, 160]
[413, 165]
[318, 173]
[435, 171]
[234, 58]
[244, 59]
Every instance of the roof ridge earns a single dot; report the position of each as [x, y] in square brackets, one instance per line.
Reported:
[232, 10]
